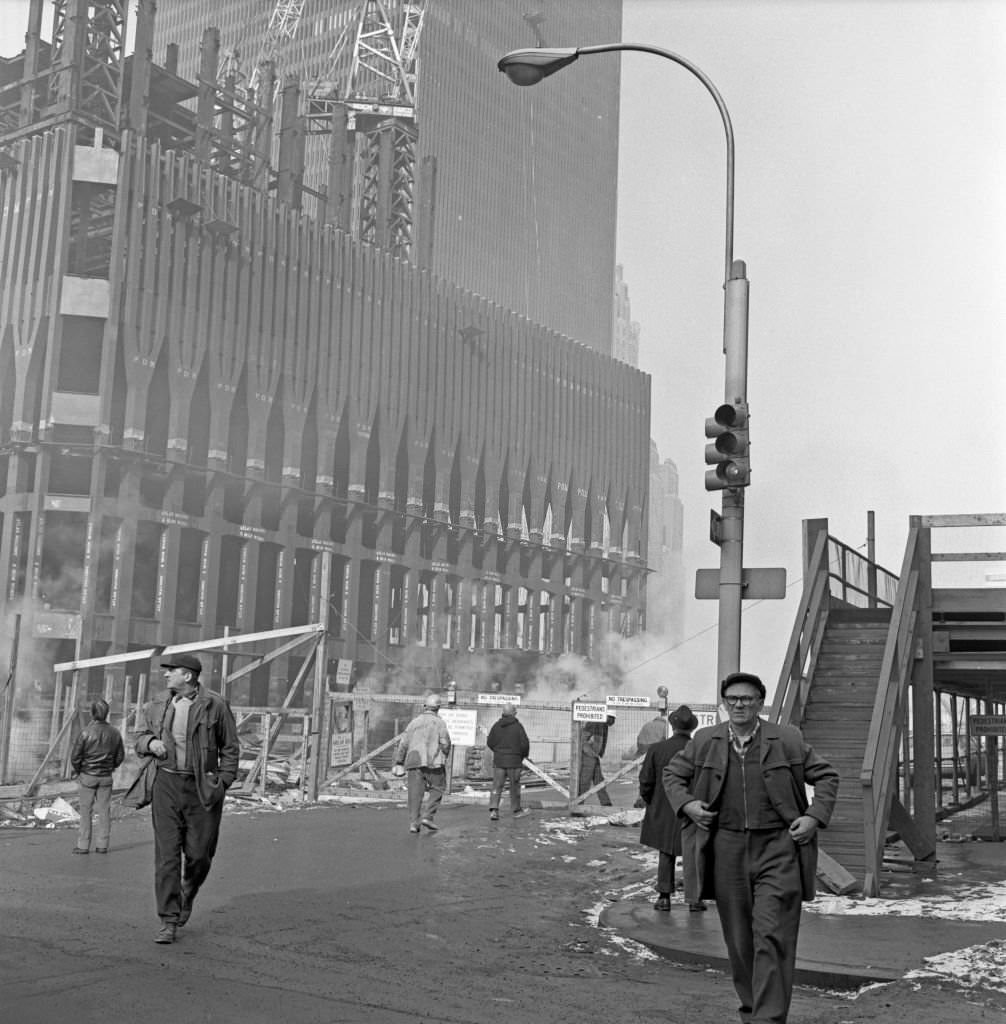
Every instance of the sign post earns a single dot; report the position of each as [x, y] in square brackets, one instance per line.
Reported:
[991, 727]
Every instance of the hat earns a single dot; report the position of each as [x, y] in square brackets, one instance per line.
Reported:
[683, 719]
[189, 661]
[743, 677]
[509, 709]
[432, 700]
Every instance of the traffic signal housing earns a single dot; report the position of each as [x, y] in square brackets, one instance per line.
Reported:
[728, 451]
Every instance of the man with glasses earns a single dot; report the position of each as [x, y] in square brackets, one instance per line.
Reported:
[740, 787]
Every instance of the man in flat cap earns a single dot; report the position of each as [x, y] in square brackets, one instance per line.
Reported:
[740, 788]
[422, 753]
[193, 737]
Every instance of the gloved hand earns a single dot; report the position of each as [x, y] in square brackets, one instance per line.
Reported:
[398, 770]
[157, 748]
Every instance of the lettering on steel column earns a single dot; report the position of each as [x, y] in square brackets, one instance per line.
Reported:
[16, 555]
[277, 605]
[204, 571]
[113, 603]
[242, 583]
[36, 567]
[162, 572]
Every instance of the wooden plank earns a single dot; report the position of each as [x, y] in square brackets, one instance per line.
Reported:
[833, 875]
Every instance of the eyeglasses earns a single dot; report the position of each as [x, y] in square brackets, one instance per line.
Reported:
[744, 702]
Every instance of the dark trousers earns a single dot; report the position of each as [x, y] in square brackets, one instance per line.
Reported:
[758, 897]
[420, 782]
[501, 776]
[591, 775]
[185, 839]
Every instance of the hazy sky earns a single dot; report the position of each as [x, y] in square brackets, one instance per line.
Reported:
[870, 209]
[871, 213]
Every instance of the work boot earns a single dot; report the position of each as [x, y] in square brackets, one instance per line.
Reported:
[663, 902]
[166, 933]
[413, 828]
[520, 812]
[427, 823]
[494, 815]
[695, 907]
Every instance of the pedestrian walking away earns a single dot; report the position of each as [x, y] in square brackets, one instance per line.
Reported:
[653, 731]
[422, 754]
[593, 743]
[194, 738]
[95, 755]
[509, 743]
[741, 788]
[661, 828]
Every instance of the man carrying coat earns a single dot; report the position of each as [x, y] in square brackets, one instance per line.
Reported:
[193, 736]
[740, 786]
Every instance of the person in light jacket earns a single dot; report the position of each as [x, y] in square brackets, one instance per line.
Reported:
[96, 753]
[422, 754]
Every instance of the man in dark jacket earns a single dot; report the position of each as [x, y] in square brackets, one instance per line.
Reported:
[661, 828]
[96, 753]
[741, 786]
[193, 735]
[509, 743]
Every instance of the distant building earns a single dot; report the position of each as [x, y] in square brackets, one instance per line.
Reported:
[220, 412]
[522, 183]
[666, 589]
[625, 343]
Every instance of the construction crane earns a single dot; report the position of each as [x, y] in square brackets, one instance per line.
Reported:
[283, 22]
[372, 74]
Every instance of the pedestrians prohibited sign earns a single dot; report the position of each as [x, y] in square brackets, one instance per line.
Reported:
[988, 725]
[584, 712]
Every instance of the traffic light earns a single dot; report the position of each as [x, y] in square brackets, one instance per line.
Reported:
[728, 452]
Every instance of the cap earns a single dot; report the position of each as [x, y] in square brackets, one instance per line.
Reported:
[743, 677]
[509, 709]
[189, 661]
[432, 700]
[683, 719]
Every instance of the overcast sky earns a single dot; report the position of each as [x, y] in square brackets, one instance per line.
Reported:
[870, 210]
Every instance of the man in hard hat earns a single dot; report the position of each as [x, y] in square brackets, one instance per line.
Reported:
[422, 754]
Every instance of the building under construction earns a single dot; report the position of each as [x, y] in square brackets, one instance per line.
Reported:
[223, 410]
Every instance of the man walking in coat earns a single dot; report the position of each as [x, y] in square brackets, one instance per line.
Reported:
[422, 752]
[509, 743]
[661, 828]
[193, 736]
[593, 743]
[741, 786]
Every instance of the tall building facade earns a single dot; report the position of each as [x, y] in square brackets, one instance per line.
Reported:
[521, 183]
[221, 414]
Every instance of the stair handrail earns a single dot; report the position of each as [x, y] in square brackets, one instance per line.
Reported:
[797, 673]
[878, 774]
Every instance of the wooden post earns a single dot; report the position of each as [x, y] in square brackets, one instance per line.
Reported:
[7, 702]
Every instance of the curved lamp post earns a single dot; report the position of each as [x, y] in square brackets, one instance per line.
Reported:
[529, 67]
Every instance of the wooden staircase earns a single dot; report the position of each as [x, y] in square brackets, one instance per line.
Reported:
[837, 719]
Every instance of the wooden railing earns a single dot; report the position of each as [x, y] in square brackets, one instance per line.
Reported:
[879, 774]
[801, 655]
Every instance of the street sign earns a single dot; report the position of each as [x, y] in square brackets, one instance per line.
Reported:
[460, 724]
[498, 698]
[584, 711]
[988, 725]
[625, 700]
[756, 584]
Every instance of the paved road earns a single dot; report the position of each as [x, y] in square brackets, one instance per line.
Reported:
[337, 915]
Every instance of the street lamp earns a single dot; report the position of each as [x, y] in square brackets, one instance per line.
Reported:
[530, 66]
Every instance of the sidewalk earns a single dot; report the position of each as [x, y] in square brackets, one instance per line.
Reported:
[844, 950]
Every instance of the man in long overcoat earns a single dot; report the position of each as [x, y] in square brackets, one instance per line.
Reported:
[661, 828]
